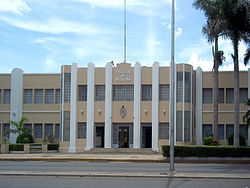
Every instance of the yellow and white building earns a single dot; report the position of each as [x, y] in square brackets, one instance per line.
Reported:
[119, 106]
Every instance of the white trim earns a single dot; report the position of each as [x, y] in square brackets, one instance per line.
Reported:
[90, 107]
[230, 111]
[4, 111]
[73, 108]
[198, 109]
[155, 106]
[57, 111]
[16, 99]
[191, 106]
[108, 106]
[183, 100]
[137, 105]
[62, 103]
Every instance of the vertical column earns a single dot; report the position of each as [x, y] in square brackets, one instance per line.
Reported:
[198, 110]
[62, 105]
[73, 108]
[155, 106]
[191, 105]
[249, 107]
[183, 101]
[16, 99]
[108, 106]
[137, 105]
[90, 106]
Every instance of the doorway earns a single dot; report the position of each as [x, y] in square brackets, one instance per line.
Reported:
[123, 137]
[99, 139]
[146, 136]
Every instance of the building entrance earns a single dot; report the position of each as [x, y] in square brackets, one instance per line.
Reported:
[123, 137]
[146, 136]
[99, 139]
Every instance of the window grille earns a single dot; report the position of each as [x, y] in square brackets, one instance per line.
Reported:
[6, 96]
[230, 130]
[179, 126]
[6, 128]
[164, 131]
[187, 126]
[100, 93]
[0, 96]
[67, 85]
[220, 132]
[187, 87]
[221, 96]
[230, 95]
[29, 127]
[244, 131]
[179, 87]
[49, 96]
[66, 125]
[207, 95]
[146, 92]
[82, 130]
[206, 130]
[57, 131]
[27, 96]
[243, 95]
[164, 92]
[48, 130]
[38, 131]
[82, 93]
[38, 96]
[58, 96]
[123, 93]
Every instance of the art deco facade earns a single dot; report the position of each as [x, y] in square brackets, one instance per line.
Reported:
[119, 106]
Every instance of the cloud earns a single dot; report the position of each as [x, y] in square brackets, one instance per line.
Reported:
[50, 65]
[14, 6]
[178, 31]
[55, 26]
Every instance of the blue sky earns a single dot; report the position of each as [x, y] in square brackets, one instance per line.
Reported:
[39, 36]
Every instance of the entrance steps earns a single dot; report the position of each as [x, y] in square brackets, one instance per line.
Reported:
[146, 151]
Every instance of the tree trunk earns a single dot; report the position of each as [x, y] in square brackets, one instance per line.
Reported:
[215, 91]
[236, 95]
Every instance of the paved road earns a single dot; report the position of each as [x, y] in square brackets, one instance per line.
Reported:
[42, 166]
[81, 182]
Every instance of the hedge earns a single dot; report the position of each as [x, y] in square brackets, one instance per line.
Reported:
[16, 147]
[53, 146]
[207, 151]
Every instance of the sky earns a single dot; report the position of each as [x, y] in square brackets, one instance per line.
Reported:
[39, 36]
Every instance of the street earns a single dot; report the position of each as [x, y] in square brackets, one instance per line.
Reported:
[43, 166]
[82, 182]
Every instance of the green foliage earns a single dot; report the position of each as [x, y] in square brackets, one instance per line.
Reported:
[18, 126]
[51, 139]
[210, 141]
[231, 140]
[53, 146]
[246, 117]
[16, 147]
[207, 151]
[25, 138]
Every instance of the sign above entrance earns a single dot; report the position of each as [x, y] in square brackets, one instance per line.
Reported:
[123, 75]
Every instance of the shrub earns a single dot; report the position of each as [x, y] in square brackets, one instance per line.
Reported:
[207, 151]
[53, 146]
[208, 140]
[25, 138]
[231, 140]
[16, 147]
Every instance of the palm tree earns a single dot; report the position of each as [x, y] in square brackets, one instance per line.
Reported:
[19, 126]
[236, 16]
[246, 117]
[212, 31]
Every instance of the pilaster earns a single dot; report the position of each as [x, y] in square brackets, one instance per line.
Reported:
[198, 110]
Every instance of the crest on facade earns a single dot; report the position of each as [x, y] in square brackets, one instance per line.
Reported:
[123, 111]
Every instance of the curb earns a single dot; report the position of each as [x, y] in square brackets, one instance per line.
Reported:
[127, 175]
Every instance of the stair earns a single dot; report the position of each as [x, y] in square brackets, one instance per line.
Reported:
[141, 151]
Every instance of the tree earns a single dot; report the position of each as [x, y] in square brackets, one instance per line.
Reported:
[212, 31]
[246, 117]
[235, 13]
[19, 127]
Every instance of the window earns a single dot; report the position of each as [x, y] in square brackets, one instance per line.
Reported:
[230, 130]
[123, 93]
[187, 126]
[243, 95]
[48, 130]
[164, 131]
[82, 130]
[100, 93]
[164, 92]
[38, 131]
[179, 126]
[0, 96]
[230, 95]
[66, 126]
[38, 96]
[6, 96]
[206, 130]
[220, 132]
[187, 87]
[6, 128]
[146, 93]
[27, 96]
[49, 96]
[58, 96]
[179, 87]
[57, 131]
[243, 131]
[221, 96]
[207, 95]
[29, 127]
[67, 85]
[82, 93]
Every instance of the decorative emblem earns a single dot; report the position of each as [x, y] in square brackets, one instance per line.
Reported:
[123, 111]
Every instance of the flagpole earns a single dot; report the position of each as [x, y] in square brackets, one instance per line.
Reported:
[172, 92]
[125, 33]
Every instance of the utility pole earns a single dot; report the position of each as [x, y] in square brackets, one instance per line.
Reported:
[172, 93]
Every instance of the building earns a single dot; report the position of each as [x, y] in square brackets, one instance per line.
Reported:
[119, 106]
